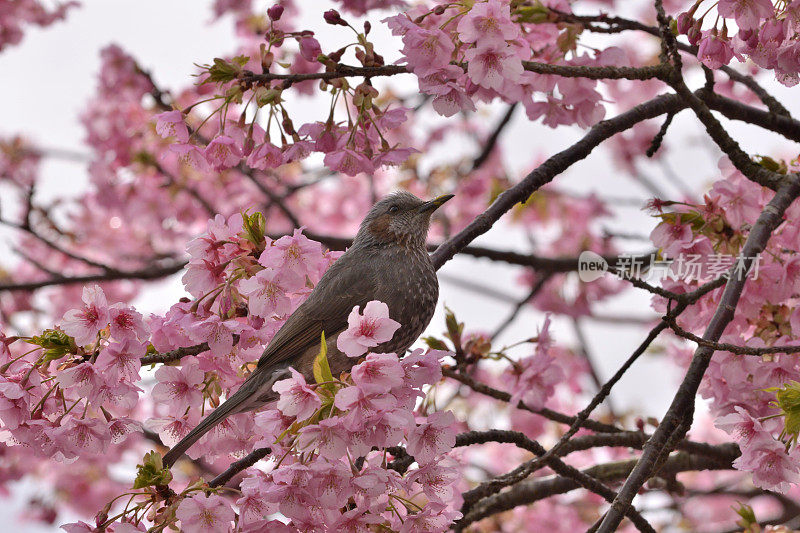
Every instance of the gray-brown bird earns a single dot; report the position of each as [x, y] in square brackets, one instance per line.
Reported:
[388, 261]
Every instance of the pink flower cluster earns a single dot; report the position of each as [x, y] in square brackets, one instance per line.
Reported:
[768, 35]
[88, 403]
[14, 15]
[493, 47]
[319, 429]
[534, 378]
[344, 149]
[741, 388]
[246, 286]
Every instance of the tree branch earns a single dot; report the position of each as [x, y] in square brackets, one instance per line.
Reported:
[537, 489]
[681, 409]
[237, 466]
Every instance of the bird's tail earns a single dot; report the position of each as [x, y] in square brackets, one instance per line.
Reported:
[245, 399]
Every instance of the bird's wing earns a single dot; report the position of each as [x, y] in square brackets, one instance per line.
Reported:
[326, 309]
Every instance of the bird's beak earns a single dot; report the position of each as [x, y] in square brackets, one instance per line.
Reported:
[432, 205]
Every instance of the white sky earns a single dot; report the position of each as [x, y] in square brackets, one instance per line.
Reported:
[49, 78]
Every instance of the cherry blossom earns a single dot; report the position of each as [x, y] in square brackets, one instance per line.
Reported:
[296, 397]
[487, 23]
[433, 438]
[179, 387]
[171, 124]
[267, 292]
[205, 513]
[84, 324]
[368, 330]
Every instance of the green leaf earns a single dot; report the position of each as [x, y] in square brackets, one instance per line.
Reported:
[254, 228]
[224, 71]
[56, 344]
[151, 472]
[454, 328]
[787, 399]
[266, 96]
[535, 14]
[322, 370]
[434, 343]
[747, 514]
[241, 60]
[771, 164]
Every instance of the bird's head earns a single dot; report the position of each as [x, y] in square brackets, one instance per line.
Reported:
[399, 218]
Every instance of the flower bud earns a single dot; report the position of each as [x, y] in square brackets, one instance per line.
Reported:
[333, 18]
[274, 13]
[695, 33]
[685, 22]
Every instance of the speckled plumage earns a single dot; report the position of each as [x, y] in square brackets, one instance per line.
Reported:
[387, 262]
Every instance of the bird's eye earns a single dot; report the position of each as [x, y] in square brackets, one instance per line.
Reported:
[394, 209]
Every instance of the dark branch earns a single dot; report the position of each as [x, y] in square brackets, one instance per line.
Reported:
[237, 466]
[678, 417]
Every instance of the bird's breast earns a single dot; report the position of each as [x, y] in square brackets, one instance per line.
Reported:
[412, 290]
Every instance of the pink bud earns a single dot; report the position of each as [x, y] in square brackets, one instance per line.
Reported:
[695, 33]
[685, 21]
[310, 49]
[333, 17]
[275, 12]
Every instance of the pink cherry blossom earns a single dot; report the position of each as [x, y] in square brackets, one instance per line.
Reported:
[771, 466]
[714, 51]
[326, 437]
[296, 397]
[310, 48]
[126, 323]
[433, 438]
[368, 330]
[356, 521]
[427, 50]
[84, 378]
[330, 484]
[267, 292]
[216, 332]
[191, 155]
[534, 379]
[84, 324]
[422, 367]
[223, 152]
[381, 371]
[362, 405]
[171, 429]
[487, 23]
[265, 156]
[741, 425]
[739, 199]
[171, 124]
[348, 161]
[254, 508]
[437, 480]
[82, 436]
[121, 360]
[205, 514]
[492, 66]
[179, 387]
[450, 97]
[748, 13]
[434, 517]
[297, 254]
[14, 404]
